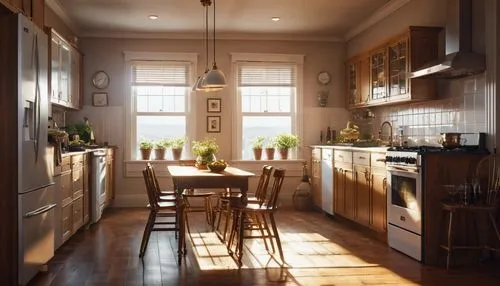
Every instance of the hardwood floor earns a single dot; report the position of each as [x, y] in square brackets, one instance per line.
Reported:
[318, 251]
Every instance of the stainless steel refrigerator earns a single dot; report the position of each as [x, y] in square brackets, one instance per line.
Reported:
[29, 109]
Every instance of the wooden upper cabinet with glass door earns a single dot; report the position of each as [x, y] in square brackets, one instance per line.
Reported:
[358, 73]
[391, 64]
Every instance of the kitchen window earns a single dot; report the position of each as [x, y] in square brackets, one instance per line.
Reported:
[269, 98]
[160, 99]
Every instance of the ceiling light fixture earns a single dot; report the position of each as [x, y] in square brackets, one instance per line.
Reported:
[215, 78]
[153, 17]
[275, 19]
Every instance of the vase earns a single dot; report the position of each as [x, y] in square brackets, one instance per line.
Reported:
[203, 161]
[176, 153]
[257, 153]
[270, 153]
[145, 153]
[160, 154]
[283, 154]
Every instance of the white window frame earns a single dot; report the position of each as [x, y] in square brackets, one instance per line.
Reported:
[298, 61]
[131, 112]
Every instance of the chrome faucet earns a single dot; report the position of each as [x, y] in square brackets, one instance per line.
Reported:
[390, 134]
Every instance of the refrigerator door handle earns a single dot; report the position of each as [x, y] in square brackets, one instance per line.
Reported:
[37, 97]
[40, 211]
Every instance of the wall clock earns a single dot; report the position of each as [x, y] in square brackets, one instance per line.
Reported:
[324, 77]
[100, 80]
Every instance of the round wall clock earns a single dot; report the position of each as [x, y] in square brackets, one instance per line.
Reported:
[324, 77]
[100, 80]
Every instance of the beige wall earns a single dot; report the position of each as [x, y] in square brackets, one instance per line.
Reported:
[107, 54]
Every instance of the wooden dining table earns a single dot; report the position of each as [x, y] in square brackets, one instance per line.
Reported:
[190, 177]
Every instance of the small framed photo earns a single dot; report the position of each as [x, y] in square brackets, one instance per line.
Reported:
[100, 99]
[213, 105]
[213, 124]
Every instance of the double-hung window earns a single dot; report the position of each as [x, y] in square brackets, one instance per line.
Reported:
[160, 101]
[268, 99]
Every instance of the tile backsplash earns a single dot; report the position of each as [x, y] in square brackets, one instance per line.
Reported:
[460, 108]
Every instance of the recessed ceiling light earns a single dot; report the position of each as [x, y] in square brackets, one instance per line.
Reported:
[275, 19]
[153, 17]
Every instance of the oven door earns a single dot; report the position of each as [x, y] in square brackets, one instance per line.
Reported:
[404, 198]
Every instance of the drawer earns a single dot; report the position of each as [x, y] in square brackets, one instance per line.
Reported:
[361, 158]
[327, 155]
[76, 161]
[77, 182]
[66, 164]
[316, 154]
[77, 213]
[66, 188]
[67, 222]
[342, 156]
[378, 160]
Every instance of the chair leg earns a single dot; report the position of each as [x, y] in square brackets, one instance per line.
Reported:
[276, 236]
[232, 233]
[450, 241]
[147, 233]
[268, 230]
[241, 229]
[228, 213]
[261, 229]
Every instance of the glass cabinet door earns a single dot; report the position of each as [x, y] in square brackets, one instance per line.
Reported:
[352, 83]
[398, 68]
[378, 88]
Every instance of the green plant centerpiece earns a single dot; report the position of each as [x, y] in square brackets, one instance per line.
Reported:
[160, 146]
[205, 152]
[81, 129]
[146, 146]
[284, 142]
[177, 144]
[257, 145]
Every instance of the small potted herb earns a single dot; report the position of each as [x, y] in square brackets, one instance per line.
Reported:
[270, 149]
[160, 147]
[177, 144]
[257, 145]
[284, 142]
[146, 146]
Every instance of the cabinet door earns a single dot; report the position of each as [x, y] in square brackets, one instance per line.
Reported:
[364, 79]
[362, 192]
[353, 91]
[77, 213]
[378, 219]
[77, 185]
[64, 75]
[66, 188]
[74, 82]
[55, 68]
[349, 192]
[338, 191]
[316, 176]
[67, 222]
[378, 81]
[398, 70]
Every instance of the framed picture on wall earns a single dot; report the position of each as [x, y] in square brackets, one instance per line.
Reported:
[213, 105]
[100, 99]
[213, 124]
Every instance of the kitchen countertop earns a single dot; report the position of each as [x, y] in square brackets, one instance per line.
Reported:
[71, 153]
[381, 149]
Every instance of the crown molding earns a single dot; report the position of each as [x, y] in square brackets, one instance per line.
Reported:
[220, 36]
[380, 14]
[59, 10]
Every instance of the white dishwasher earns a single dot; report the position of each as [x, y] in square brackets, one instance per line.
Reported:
[98, 183]
[327, 180]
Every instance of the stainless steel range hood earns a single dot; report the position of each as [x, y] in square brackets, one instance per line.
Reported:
[459, 60]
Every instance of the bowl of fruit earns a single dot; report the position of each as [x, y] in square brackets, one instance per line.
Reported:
[217, 166]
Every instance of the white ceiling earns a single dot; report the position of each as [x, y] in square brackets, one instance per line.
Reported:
[320, 19]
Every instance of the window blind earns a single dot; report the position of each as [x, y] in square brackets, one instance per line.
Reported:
[268, 74]
[160, 73]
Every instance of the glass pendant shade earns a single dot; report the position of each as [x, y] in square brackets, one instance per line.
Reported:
[197, 83]
[215, 78]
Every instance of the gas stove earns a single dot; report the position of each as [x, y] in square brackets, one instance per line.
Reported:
[410, 158]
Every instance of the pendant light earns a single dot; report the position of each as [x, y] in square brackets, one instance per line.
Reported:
[215, 78]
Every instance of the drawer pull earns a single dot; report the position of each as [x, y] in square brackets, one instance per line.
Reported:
[381, 160]
[362, 158]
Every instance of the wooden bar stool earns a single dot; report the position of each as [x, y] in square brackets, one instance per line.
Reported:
[488, 179]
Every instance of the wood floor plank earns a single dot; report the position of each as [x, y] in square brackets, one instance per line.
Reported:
[318, 251]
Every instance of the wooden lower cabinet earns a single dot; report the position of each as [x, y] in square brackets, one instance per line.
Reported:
[362, 192]
[66, 188]
[378, 199]
[343, 186]
[77, 213]
[67, 221]
[316, 176]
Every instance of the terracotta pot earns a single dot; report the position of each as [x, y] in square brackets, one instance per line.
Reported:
[270, 153]
[145, 153]
[177, 153]
[160, 154]
[257, 153]
[283, 154]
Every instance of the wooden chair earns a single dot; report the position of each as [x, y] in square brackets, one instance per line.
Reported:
[487, 178]
[163, 216]
[261, 211]
[223, 207]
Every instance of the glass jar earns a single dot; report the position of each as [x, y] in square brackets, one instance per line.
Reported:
[203, 161]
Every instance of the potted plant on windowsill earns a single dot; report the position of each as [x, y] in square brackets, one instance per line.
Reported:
[205, 151]
[284, 142]
[146, 146]
[160, 147]
[257, 144]
[270, 149]
[177, 144]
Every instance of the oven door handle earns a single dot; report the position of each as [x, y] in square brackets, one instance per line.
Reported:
[397, 168]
